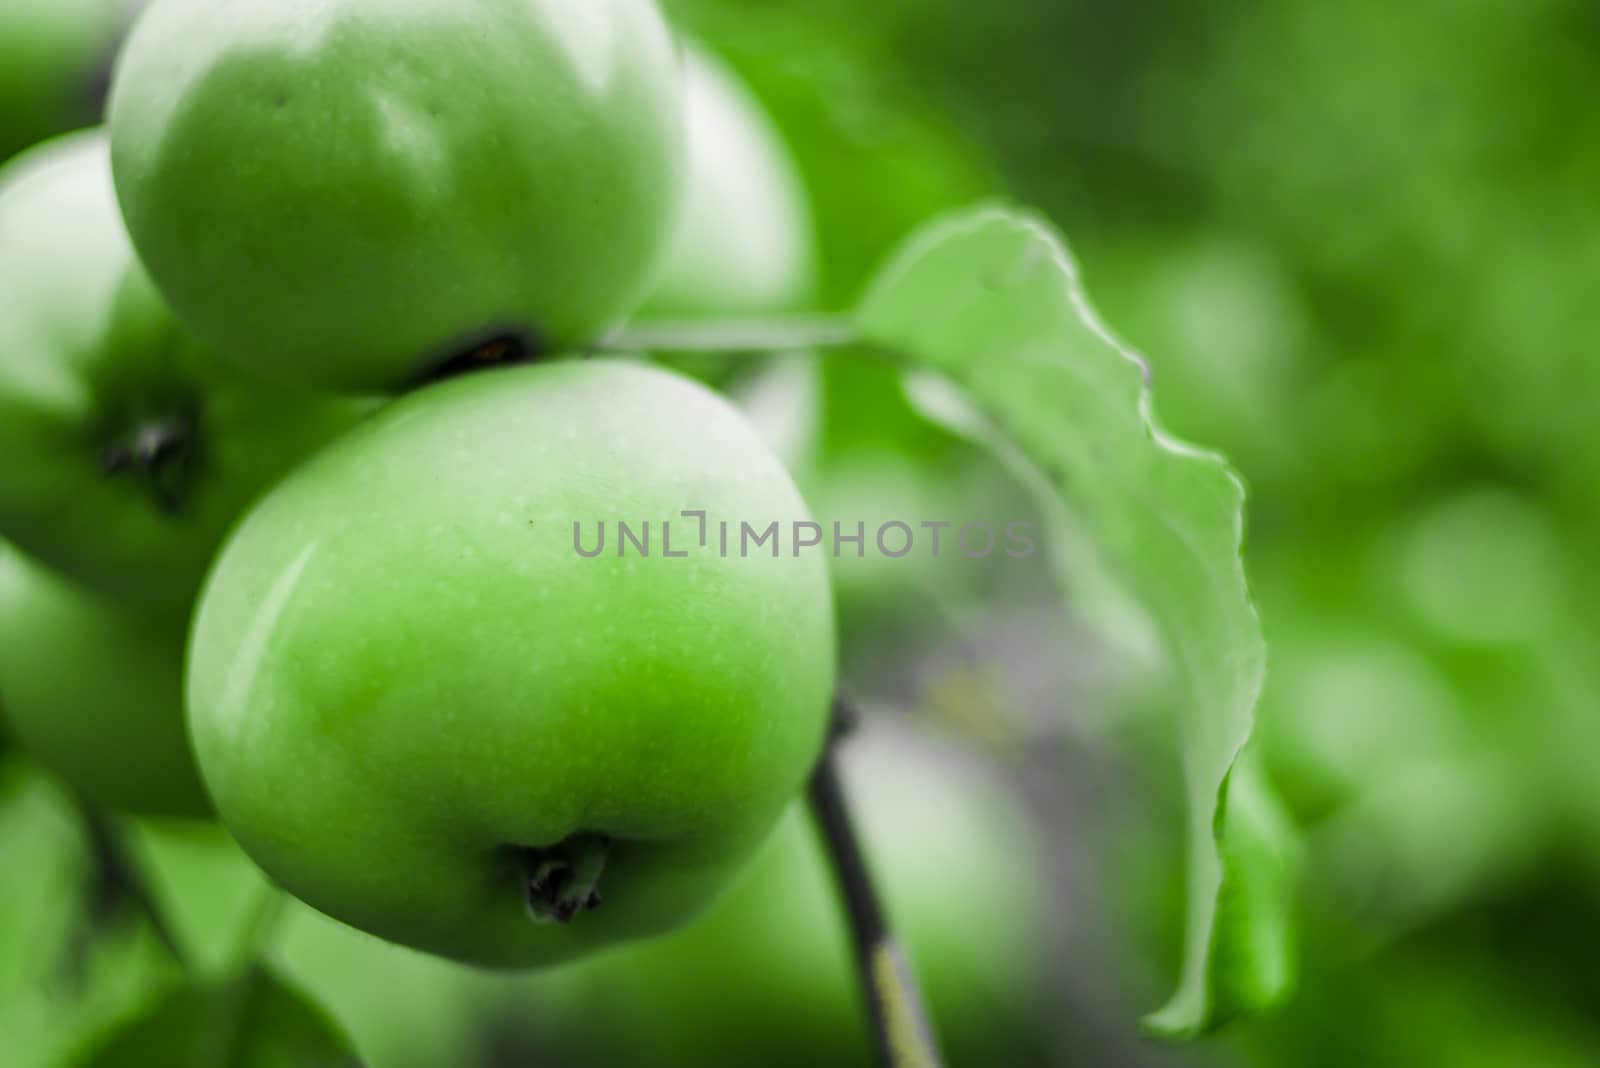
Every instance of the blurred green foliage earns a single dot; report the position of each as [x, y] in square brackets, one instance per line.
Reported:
[1358, 244]
[75, 962]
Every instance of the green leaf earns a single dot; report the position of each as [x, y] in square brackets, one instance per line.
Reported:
[253, 1022]
[989, 300]
[67, 975]
[1252, 950]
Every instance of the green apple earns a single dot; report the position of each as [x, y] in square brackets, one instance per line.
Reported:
[744, 243]
[55, 60]
[94, 691]
[129, 448]
[354, 192]
[766, 977]
[421, 709]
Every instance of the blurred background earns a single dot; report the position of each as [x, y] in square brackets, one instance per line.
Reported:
[1359, 245]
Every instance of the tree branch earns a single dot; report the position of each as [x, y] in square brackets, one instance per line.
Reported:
[899, 1022]
[733, 336]
[117, 880]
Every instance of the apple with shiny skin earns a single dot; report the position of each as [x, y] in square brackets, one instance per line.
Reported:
[129, 448]
[424, 712]
[350, 193]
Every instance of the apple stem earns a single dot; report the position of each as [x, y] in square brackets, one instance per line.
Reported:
[564, 879]
[899, 1021]
[161, 451]
[117, 882]
[733, 336]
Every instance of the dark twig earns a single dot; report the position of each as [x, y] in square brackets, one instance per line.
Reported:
[899, 1022]
[118, 882]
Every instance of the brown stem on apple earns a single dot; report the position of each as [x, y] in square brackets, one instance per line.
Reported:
[562, 880]
[899, 1021]
[161, 452]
